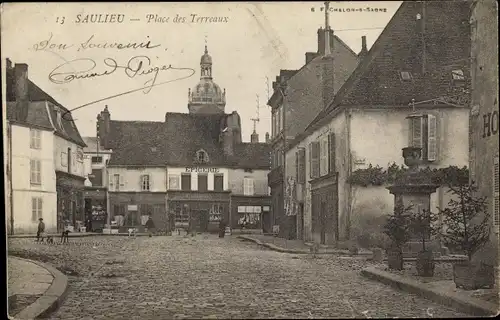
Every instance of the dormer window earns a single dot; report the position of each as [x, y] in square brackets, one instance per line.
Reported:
[405, 76]
[59, 118]
[201, 156]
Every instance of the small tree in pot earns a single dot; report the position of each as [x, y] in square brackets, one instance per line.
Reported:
[397, 229]
[423, 224]
[467, 224]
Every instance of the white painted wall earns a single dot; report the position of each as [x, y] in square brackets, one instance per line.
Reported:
[23, 191]
[378, 136]
[131, 178]
[236, 181]
[88, 165]
[177, 171]
[60, 155]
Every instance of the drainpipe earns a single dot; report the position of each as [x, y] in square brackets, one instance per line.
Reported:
[349, 171]
[9, 136]
[284, 158]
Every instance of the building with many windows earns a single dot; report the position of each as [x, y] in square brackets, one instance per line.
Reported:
[405, 92]
[46, 157]
[192, 167]
[299, 95]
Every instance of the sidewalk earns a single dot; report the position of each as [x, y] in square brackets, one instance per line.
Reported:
[443, 292]
[34, 288]
[296, 246]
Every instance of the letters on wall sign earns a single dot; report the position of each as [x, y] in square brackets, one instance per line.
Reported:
[202, 170]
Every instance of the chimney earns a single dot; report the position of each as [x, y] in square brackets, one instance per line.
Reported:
[327, 78]
[268, 140]
[8, 63]
[254, 138]
[21, 91]
[104, 119]
[310, 56]
[321, 41]
[364, 50]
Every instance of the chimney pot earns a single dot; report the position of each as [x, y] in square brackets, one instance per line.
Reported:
[267, 137]
[363, 43]
[8, 63]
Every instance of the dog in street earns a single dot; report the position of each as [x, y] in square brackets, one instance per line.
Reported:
[131, 232]
[65, 236]
[50, 240]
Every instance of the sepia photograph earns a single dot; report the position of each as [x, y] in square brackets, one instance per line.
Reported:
[251, 160]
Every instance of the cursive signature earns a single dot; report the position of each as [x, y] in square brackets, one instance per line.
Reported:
[137, 66]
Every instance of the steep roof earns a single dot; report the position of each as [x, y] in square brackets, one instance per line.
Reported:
[377, 80]
[175, 142]
[37, 113]
[137, 143]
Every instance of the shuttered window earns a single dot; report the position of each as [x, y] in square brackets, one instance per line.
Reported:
[496, 203]
[186, 181]
[36, 208]
[301, 167]
[297, 166]
[423, 133]
[248, 186]
[323, 156]
[218, 182]
[332, 154]
[431, 138]
[35, 172]
[314, 159]
[202, 182]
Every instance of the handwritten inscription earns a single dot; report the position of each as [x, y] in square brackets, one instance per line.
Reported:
[92, 43]
[85, 68]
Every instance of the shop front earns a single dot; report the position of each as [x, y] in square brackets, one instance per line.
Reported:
[70, 203]
[198, 211]
[95, 208]
[133, 209]
[251, 212]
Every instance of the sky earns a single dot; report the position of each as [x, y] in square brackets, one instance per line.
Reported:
[249, 44]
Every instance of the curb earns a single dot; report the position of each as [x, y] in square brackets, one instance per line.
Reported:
[299, 251]
[51, 299]
[467, 305]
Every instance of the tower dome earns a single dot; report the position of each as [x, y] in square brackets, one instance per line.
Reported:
[206, 96]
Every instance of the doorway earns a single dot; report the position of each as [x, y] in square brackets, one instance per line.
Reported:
[301, 222]
[322, 216]
[202, 220]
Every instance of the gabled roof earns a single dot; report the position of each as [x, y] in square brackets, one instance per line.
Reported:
[176, 141]
[377, 79]
[137, 143]
[37, 113]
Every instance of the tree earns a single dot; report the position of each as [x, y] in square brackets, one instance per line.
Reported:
[466, 220]
[423, 225]
[398, 225]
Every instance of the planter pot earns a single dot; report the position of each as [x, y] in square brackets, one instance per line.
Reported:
[395, 259]
[425, 263]
[473, 276]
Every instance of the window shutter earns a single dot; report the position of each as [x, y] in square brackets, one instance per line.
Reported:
[110, 181]
[297, 174]
[332, 156]
[150, 182]
[431, 138]
[251, 187]
[315, 154]
[311, 161]
[416, 130]
[496, 200]
[302, 166]
[33, 209]
[40, 207]
[120, 178]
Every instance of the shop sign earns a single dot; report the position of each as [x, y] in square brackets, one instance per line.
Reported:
[202, 170]
[490, 124]
[132, 207]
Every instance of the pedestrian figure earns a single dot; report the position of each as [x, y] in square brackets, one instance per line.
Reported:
[41, 230]
[65, 233]
[151, 226]
[222, 228]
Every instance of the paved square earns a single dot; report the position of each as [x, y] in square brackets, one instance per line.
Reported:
[207, 277]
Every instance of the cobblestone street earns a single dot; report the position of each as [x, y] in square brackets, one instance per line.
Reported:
[208, 277]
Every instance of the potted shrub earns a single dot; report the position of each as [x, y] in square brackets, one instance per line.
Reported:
[423, 225]
[466, 220]
[397, 229]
